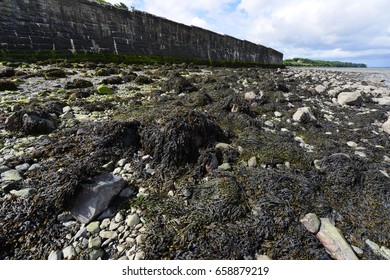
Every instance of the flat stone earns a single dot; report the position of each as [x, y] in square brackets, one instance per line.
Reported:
[34, 166]
[113, 225]
[108, 234]
[126, 192]
[350, 98]
[132, 220]
[384, 101]
[93, 227]
[23, 192]
[11, 175]
[95, 198]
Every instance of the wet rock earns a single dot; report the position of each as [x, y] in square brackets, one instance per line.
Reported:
[78, 83]
[143, 80]
[7, 72]
[31, 123]
[11, 176]
[114, 80]
[95, 198]
[350, 98]
[54, 73]
[334, 241]
[7, 85]
[304, 115]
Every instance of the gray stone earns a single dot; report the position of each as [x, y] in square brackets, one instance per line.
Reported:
[132, 220]
[55, 255]
[140, 255]
[304, 115]
[379, 251]
[95, 254]
[119, 218]
[113, 225]
[69, 253]
[11, 176]
[94, 243]
[334, 242]
[80, 234]
[262, 258]
[95, 198]
[23, 192]
[108, 234]
[384, 101]
[357, 250]
[105, 223]
[93, 227]
[34, 166]
[350, 98]
[3, 168]
[140, 239]
[311, 222]
[122, 162]
[22, 167]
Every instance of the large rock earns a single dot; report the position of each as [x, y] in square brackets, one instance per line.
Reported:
[334, 241]
[31, 123]
[304, 115]
[350, 98]
[96, 197]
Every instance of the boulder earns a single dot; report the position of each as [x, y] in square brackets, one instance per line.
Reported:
[350, 98]
[334, 241]
[94, 198]
[304, 115]
[31, 123]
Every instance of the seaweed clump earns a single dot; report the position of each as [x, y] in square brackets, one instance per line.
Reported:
[177, 139]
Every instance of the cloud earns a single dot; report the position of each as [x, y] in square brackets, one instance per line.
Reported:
[339, 29]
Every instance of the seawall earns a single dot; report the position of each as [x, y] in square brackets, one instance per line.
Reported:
[83, 26]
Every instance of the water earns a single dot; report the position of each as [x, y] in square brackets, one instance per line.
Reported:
[371, 72]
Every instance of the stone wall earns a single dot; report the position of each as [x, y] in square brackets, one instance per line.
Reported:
[86, 26]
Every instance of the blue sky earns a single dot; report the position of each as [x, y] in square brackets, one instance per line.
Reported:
[345, 30]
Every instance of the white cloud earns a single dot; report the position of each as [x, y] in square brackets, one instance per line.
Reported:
[312, 28]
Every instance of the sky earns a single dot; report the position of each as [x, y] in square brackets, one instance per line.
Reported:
[344, 30]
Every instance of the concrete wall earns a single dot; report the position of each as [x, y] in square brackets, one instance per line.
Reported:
[86, 26]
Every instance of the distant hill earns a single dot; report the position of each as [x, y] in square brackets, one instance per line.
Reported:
[305, 62]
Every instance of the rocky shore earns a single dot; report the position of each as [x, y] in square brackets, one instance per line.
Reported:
[108, 161]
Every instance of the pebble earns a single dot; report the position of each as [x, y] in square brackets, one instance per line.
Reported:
[352, 144]
[95, 254]
[304, 115]
[23, 192]
[94, 243]
[114, 225]
[252, 162]
[140, 255]
[225, 166]
[119, 217]
[108, 234]
[140, 239]
[93, 227]
[69, 253]
[34, 166]
[22, 167]
[132, 220]
[65, 217]
[105, 223]
[350, 98]
[122, 162]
